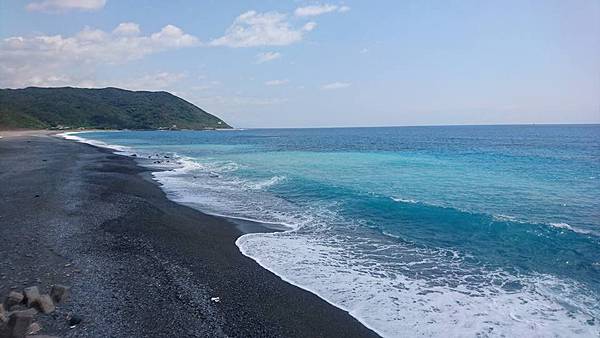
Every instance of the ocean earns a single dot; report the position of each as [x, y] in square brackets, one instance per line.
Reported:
[415, 231]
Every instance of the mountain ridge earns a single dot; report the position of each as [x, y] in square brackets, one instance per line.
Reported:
[100, 108]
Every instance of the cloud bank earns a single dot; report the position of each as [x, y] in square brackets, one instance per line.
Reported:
[47, 60]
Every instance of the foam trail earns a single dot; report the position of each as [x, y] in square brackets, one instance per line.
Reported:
[73, 136]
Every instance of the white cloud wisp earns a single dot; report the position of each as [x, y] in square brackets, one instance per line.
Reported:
[267, 56]
[335, 85]
[316, 10]
[253, 29]
[57, 6]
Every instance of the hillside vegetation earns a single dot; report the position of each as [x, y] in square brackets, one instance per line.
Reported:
[106, 108]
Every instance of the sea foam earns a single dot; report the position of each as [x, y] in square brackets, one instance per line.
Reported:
[77, 136]
[453, 302]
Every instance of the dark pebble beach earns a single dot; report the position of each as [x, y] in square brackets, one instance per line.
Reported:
[138, 264]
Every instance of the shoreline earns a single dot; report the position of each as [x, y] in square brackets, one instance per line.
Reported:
[133, 246]
[244, 225]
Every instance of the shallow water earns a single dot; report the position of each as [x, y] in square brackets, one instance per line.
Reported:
[443, 231]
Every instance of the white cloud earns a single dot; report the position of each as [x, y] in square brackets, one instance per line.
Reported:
[276, 82]
[173, 36]
[46, 60]
[316, 10]
[309, 26]
[267, 56]
[127, 28]
[335, 85]
[364, 51]
[65, 5]
[252, 29]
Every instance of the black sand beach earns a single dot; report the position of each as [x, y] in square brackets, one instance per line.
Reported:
[139, 265]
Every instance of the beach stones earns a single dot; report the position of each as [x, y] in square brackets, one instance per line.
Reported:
[14, 298]
[17, 319]
[45, 304]
[59, 293]
[32, 295]
[3, 314]
[34, 328]
[19, 323]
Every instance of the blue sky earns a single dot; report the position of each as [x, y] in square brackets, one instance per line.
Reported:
[304, 64]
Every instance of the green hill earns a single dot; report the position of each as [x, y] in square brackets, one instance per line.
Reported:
[106, 108]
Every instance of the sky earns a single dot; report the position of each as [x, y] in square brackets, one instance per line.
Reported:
[277, 63]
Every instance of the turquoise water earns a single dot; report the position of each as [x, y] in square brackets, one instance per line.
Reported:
[443, 231]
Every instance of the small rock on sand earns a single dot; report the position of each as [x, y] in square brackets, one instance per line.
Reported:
[3, 314]
[32, 295]
[34, 328]
[74, 320]
[14, 298]
[19, 322]
[45, 304]
[59, 293]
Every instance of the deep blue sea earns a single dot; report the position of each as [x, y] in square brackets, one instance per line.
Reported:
[434, 231]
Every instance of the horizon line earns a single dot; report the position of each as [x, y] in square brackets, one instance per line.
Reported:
[436, 125]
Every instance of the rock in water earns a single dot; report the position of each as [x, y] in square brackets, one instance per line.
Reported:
[32, 295]
[45, 304]
[14, 298]
[60, 293]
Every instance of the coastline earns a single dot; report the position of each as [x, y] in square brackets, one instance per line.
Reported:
[212, 185]
[246, 226]
[139, 264]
